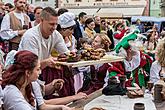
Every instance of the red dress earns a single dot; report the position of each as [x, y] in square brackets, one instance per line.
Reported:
[49, 74]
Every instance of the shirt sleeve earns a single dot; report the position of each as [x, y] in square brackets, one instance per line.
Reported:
[85, 35]
[7, 33]
[28, 42]
[28, 18]
[37, 93]
[60, 44]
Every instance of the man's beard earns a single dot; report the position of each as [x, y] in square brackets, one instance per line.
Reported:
[20, 8]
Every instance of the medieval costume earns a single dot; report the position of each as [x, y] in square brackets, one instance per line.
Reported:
[11, 24]
[137, 67]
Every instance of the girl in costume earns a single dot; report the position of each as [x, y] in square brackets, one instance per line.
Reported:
[20, 86]
[94, 75]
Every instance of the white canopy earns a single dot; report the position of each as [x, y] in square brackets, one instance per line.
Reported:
[125, 12]
[110, 12]
[89, 11]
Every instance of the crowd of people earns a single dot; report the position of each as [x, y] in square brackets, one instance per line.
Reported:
[33, 37]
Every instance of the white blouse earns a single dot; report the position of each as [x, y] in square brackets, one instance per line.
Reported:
[154, 72]
[14, 100]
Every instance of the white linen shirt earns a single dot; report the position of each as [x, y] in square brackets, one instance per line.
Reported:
[6, 32]
[33, 41]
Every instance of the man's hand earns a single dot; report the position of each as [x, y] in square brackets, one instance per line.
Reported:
[21, 32]
[51, 61]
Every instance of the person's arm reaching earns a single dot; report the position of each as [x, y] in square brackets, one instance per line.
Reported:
[54, 107]
[119, 36]
[66, 100]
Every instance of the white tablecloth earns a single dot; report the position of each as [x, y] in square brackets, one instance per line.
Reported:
[117, 102]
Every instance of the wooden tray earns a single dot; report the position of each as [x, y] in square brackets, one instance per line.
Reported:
[105, 59]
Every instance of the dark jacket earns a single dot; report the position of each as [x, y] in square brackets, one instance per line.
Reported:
[110, 35]
[97, 28]
[77, 33]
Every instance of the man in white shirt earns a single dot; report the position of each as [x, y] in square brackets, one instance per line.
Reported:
[14, 24]
[43, 38]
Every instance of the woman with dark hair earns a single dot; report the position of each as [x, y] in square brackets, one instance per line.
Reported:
[65, 27]
[61, 11]
[89, 29]
[19, 82]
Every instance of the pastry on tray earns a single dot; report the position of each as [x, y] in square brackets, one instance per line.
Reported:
[91, 54]
[69, 58]
[134, 92]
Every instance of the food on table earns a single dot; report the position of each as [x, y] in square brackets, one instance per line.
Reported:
[62, 57]
[91, 54]
[133, 92]
[69, 58]
[87, 54]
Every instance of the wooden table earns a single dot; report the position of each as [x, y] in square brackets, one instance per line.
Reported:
[79, 105]
[160, 106]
